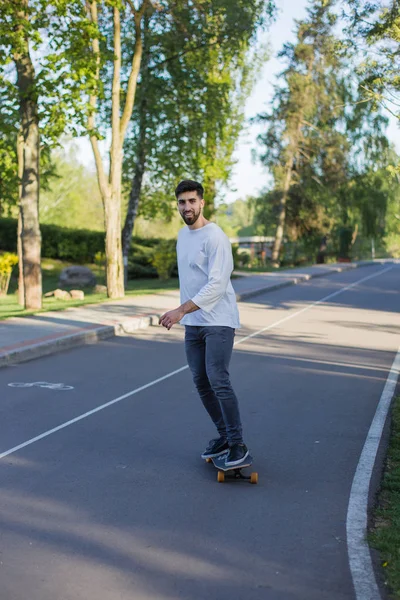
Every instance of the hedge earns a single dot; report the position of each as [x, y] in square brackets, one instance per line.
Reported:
[74, 245]
[81, 246]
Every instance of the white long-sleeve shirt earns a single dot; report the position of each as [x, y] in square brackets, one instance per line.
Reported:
[205, 265]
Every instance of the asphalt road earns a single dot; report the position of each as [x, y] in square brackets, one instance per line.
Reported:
[118, 505]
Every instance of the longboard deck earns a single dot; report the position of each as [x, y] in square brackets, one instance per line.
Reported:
[219, 463]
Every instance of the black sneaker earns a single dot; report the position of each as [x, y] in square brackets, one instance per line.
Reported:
[216, 448]
[237, 455]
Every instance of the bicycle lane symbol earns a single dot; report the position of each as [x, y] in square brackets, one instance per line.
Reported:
[42, 384]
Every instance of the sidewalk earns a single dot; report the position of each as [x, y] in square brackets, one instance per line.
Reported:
[25, 338]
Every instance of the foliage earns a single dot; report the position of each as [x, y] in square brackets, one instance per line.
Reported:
[164, 258]
[384, 535]
[196, 75]
[374, 29]
[71, 193]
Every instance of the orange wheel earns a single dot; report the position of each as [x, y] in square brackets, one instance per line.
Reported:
[254, 478]
[221, 477]
[208, 460]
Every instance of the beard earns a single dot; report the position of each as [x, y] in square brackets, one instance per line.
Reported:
[191, 217]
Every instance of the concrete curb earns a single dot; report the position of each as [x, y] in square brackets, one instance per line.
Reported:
[73, 340]
[132, 324]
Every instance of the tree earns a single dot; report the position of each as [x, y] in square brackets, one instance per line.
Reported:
[301, 107]
[195, 76]
[46, 96]
[113, 103]
[15, 32]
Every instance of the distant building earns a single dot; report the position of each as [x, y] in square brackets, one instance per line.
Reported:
[257, 246]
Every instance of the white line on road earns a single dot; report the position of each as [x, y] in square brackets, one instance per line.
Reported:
[313, 304]
[359, 556]
[89, 413]
[172, 373]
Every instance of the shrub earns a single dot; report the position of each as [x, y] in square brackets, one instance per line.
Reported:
[164, 258]
[82, 246]
[7, 261]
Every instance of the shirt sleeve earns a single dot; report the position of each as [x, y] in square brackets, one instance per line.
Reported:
[220, 267]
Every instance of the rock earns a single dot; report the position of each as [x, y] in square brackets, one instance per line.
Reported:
[59, 294]
[100, 289]
[62, 295]
[77, 276]
[77, 294]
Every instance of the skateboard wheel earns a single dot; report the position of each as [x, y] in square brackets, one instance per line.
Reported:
[208, 460]
[220, 477]
[254, 478]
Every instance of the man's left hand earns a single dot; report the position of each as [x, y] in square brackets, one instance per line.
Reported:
[171, 317]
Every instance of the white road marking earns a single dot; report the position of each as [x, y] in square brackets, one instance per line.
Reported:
[172, 373]
[43, 384]
[313, 304]
[89, 413]
[359, 556]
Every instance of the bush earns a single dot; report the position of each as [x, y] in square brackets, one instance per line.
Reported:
[8, 235]
[7, 261]
[75, 245]
[81, 246]
[140, 260]
[345, 242]
[164, 258]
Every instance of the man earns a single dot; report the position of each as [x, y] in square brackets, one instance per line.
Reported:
[210, 315]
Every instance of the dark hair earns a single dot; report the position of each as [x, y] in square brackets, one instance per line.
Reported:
[189, 186]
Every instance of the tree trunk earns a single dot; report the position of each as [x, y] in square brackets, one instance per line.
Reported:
[20, 157]
[209, 192]
[282, 213]
[114, 267]
[140, 166]
[112, 203]
[134, 197]
[30, 230]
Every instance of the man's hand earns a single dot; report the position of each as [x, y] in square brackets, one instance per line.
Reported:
[171, 317]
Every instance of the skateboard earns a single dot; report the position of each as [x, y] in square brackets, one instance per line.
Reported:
[232, 472]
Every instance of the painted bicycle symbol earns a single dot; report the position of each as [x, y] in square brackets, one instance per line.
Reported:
[42, 384]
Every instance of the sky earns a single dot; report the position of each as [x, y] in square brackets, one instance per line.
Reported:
[249, 177]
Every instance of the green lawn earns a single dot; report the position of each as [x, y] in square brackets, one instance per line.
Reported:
[385, 533]
[51, 270]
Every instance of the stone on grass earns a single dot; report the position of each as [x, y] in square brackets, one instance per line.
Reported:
[100, 289]
[62, 295]
[77, 294]
[59, 294]
[77, 276]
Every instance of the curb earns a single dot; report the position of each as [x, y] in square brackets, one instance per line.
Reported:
[128, 326]
[73, 340]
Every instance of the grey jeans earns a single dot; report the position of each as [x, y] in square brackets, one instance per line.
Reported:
[209, 351]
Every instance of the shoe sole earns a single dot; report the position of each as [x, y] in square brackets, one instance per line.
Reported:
[237, 462]
[204, 456]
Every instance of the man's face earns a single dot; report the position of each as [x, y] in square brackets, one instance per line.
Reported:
[190, 205]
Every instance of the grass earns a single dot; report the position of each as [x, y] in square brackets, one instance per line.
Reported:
[51, 270]
[385, 533]
[271, 269]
